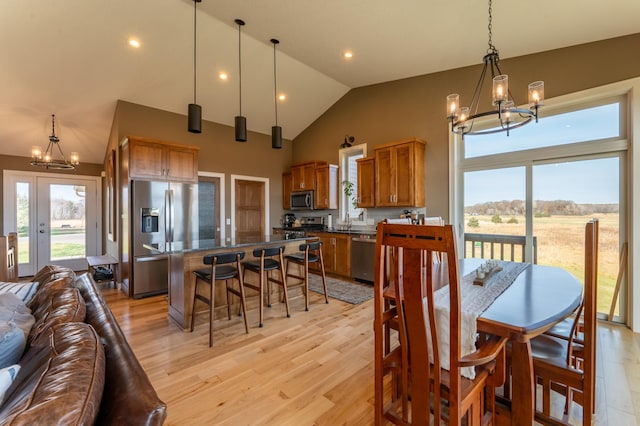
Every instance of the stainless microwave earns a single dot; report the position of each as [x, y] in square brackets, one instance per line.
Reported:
[302, 200]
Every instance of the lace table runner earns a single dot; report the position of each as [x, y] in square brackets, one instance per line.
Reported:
[474, 299]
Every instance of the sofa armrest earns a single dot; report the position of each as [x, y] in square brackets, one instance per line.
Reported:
[128, 396]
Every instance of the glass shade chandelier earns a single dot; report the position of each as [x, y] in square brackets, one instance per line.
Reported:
[506, 114]
[53, 157]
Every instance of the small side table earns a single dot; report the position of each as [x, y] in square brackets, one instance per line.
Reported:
[104, 260]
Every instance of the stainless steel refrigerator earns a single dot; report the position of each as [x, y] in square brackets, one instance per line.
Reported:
[164, 214]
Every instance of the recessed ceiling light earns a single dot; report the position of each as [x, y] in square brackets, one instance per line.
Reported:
[282, 97]
[348, 54]
[223, 75]
[134, 42]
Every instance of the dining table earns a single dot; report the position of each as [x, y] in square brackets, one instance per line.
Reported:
[539, 297]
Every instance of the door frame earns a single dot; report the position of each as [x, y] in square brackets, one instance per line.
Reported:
[9, 214]
[223, 197]
[267, 207]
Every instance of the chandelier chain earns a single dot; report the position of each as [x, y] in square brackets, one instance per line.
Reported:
[492, 48]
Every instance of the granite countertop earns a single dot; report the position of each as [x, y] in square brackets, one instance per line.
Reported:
[201, 245]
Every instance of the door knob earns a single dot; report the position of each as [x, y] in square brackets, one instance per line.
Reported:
[42, 231]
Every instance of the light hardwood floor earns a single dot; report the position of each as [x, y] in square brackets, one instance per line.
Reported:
[315, 368]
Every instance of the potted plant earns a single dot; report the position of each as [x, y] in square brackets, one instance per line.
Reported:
[347, 188]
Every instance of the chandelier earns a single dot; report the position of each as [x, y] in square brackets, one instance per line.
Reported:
[53, 157]
[506, 114]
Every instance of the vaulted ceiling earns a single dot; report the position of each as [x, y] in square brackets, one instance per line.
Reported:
[72, 57]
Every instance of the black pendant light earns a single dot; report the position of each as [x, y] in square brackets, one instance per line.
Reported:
[276, 131]
[240, 120]
[194, 118]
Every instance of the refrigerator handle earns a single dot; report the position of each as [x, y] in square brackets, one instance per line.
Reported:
[171, 215]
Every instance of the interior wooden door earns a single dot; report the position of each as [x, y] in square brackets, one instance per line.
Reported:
[250, 209]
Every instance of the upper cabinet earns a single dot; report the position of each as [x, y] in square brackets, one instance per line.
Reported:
[366, 182]
[153, 159]
[399, 174]
[303, 176]
[326, 196]
[316, 176]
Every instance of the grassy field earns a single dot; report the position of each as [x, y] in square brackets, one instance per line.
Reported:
[561, 243]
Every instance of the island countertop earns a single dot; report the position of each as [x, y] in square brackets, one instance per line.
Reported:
[180, 247]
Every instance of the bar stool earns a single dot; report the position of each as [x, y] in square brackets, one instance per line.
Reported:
[264, 266]
[222, 270]
[309, 253]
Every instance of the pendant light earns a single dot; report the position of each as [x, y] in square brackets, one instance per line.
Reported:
[276, 131]
[194, 120]
[240, 120]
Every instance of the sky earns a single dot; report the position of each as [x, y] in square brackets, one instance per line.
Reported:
[587, 181]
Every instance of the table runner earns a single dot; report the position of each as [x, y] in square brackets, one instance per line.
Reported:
[474, 299]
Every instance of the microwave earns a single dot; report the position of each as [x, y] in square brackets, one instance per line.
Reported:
[302, 200]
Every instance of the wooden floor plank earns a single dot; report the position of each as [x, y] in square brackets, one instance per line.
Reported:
[315, 368]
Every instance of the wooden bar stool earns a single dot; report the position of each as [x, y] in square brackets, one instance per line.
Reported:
[309, 253]
[221, 270]
[269, 259]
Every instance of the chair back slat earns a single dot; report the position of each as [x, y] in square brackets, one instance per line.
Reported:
[222, 258]
[590, 305]
[268, 251]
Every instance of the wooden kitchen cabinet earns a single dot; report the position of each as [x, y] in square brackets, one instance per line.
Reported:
[326, 196]
[153, 159]
[303, 177]
[336, 252]
[399, 174]
[366, 182]
[286, 191]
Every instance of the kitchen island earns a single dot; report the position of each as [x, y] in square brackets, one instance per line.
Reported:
[186, 258]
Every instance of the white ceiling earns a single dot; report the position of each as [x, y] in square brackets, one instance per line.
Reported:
[71, 57]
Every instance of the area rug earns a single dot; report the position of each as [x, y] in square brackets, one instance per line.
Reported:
[347, 291]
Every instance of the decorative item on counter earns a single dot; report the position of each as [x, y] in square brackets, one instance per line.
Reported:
[485, 271]
[348, 141]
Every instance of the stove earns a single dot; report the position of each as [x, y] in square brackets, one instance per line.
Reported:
[307, 224]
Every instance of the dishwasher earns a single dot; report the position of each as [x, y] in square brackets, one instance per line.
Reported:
[363, 256]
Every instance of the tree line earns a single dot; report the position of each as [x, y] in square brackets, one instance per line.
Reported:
[540, 208]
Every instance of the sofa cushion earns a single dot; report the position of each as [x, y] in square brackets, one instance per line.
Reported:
[61, 379]
[24, 290]
[52, 272]
[59, 306]
[12, 344]
[7, 376]
[47, 287]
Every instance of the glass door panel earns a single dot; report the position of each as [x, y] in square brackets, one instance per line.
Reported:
[495, 214]
[566, 196]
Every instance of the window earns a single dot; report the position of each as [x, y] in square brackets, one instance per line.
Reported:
[542, 183]
[349, 173]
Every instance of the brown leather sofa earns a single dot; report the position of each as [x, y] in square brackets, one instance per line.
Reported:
[78, 367]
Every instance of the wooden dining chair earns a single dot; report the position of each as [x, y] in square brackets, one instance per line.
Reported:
[434, 393]
[565, 364]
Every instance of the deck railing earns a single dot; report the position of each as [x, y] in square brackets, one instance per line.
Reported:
[498, 246]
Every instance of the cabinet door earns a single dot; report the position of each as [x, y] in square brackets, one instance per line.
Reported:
[309, 173]
[404, 175]
[146, 160]
[366, 182]
[181, 164]
[342, 247]
[385, 177]
[297, 178]
[326, 196]
[286, 191]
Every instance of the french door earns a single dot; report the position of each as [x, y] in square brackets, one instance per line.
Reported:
[57, 219]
